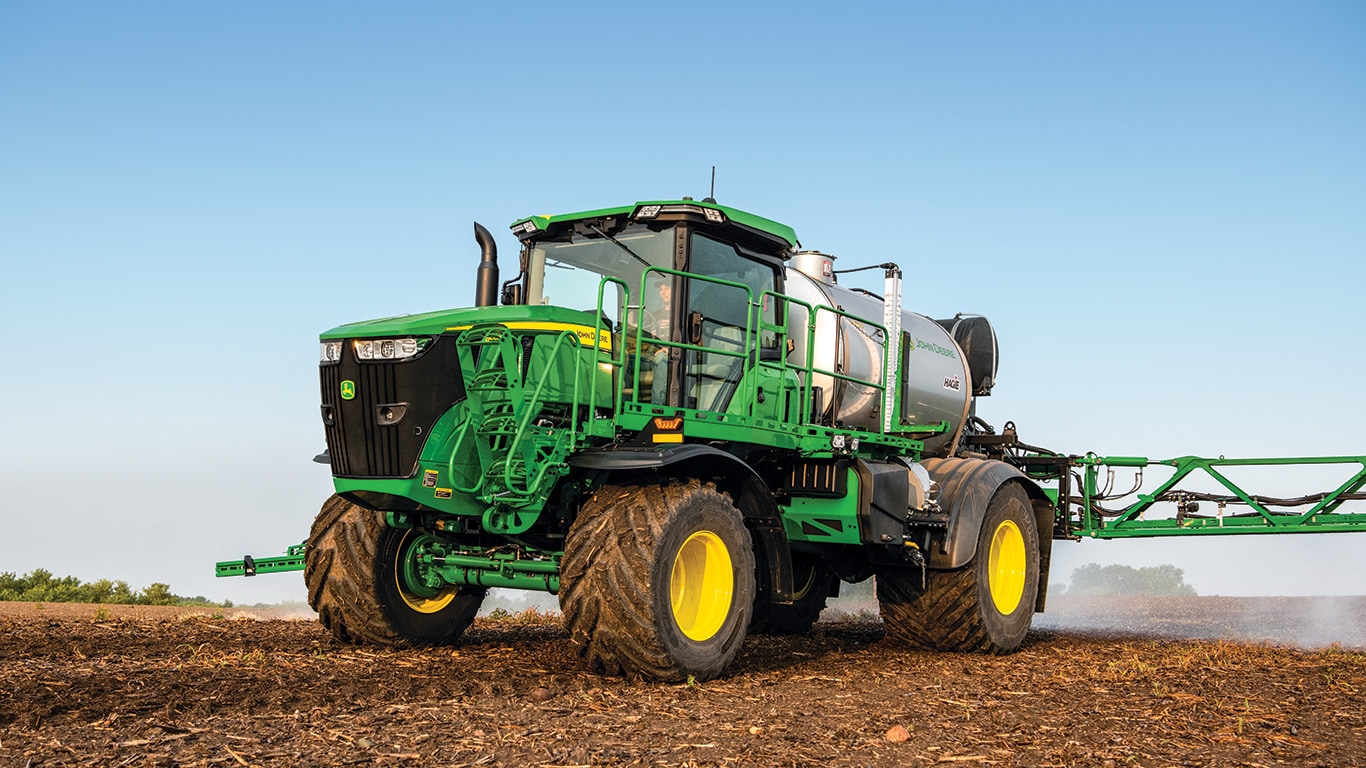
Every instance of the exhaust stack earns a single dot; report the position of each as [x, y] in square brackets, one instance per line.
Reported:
[486, 276]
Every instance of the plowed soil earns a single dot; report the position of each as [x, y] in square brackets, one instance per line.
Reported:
[85, 685]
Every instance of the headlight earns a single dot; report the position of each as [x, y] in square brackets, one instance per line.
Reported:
[329, 352]
[388, 349]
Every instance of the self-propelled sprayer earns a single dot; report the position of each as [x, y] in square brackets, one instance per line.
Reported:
[683, 425]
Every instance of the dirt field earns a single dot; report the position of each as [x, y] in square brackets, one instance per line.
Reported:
[127, 686]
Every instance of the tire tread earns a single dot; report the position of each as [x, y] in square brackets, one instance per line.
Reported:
[606, 593]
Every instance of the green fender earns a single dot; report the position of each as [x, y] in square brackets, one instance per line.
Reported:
[732, 475]
[966, 487]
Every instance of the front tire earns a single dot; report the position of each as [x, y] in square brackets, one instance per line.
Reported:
[359, 581]
[985, 606]
[657, 581]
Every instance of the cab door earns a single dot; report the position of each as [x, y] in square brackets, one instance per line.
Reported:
[725, 304]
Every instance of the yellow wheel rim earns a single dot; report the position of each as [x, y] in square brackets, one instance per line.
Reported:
[805, 588]
[428, 604]
[1006, 567]
[701, 584]
[434, 603]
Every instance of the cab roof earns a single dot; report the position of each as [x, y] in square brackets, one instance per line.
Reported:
[650, 209]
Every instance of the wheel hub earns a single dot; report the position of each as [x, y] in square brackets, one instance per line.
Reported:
[701, 585]
[1006, 567]
[412, 577]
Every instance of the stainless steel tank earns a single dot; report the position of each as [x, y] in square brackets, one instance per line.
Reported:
[934, 381]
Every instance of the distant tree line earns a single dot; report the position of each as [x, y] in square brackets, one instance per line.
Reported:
[1093, 580]
[40, 586]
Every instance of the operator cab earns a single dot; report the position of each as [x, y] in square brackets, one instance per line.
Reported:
[686, 286]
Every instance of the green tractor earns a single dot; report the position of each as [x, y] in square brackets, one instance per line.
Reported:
[683, 426]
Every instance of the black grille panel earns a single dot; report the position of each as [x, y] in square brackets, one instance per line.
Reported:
[426, 387]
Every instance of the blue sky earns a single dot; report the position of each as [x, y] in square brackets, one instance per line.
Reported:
[1161, 207]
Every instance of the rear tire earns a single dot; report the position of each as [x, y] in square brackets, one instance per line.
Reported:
[813, 580]
[354, 568]
[985, 606]
[657, 581]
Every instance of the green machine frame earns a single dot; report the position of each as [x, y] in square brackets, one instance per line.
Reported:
[1083, 513]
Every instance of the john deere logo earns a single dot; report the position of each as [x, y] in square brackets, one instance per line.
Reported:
[935, 348]
[348, 390]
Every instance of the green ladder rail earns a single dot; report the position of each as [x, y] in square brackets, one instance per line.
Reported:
[519, 461]
[489, 362]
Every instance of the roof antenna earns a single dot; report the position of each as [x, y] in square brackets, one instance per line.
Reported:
[711, 198]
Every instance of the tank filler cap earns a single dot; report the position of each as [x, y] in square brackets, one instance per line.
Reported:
[815, 265]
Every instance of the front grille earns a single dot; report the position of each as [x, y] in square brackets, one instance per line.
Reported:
[426, 386]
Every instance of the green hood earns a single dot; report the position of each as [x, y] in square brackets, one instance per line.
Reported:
[450, 320]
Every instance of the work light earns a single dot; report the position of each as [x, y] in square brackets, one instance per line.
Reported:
[388, 349]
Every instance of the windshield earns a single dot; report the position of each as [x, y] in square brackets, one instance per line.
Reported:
[565, 273]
